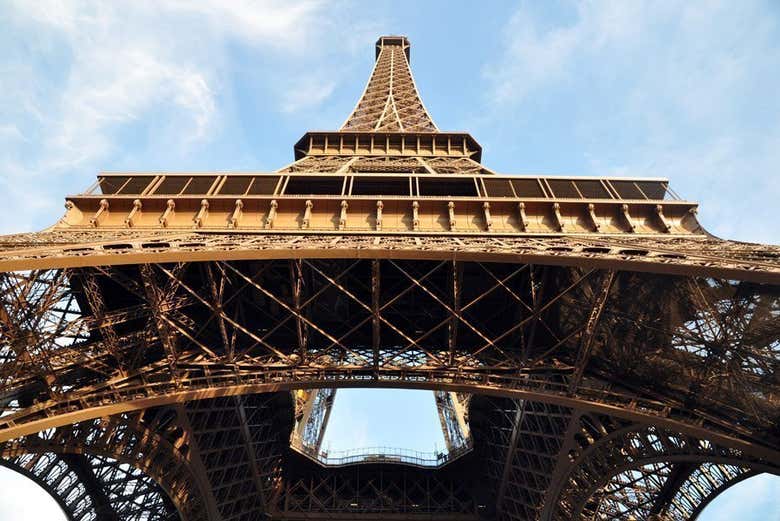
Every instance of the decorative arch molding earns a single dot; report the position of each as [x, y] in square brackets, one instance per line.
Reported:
[91, 488]
[663, 461]
[58, 480]
[143, 453]
[133, 398]
[714, 492]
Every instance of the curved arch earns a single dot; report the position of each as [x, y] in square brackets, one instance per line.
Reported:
[714, 493]
[129, 399]
[96, 488]
[675, 488]
[128, 443]
[332, 361]
[641, 255]
[588, 494]
[69, 510]
[648, 454]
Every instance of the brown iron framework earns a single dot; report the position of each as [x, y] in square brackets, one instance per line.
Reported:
[171, 348]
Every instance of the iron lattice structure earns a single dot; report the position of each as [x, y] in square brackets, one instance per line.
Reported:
[170, 349]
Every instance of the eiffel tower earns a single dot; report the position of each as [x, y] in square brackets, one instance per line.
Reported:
[172, 346]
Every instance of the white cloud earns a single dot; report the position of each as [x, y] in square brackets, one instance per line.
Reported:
[306, 93]
[100, 96]
[11, 133]
[278, 23]
[659, 89]
[536, 55]
[85, 81]
[128, 58]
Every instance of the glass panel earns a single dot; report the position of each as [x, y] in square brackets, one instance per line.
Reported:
[172, 185]
[235, 185]
[527, 188]
[498, 188]
[592, 189]
[200, 184]
[653, 189]
[305, 185]
[563, 188]
[380, 186]
[447, 187]
[264, 185]
[111, 185]
[627, 190]
[136, 185]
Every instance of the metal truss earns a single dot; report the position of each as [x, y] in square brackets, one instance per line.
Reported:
[546, 303]
[700, 487]
[390, 101]
[553, 339]
[703, 257]
[521, 443]
[411, 165]
[171, 348]
[122, 467]
[239, 442]
[641, 472]
[584, 466]
[453, 416]
[93, 488]
[312, 412]
[375, 492]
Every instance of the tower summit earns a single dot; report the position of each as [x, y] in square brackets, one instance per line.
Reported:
[390, 101]
[172, 346]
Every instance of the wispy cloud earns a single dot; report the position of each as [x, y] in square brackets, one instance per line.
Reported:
[11, 133]
[680, 91]
[86, 82]
[307, 93]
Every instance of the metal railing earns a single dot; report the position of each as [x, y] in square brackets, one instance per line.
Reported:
[368, 455]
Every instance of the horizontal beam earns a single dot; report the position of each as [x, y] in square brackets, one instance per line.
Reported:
[696, 257]
[375, 516]
[488, 385]
[353, 213]
[388, 144]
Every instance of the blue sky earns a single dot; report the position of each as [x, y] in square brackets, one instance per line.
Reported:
[680, 90]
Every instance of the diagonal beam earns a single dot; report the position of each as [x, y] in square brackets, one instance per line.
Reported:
[376, 325]
[303, 306]
[456, 283]
[510, 453]
[217, 292]
[155, 298]
[100, 501]
[541, 309]
[680, 472]
[458, 316]
[289, 309]
[229, 320]
[536, 297]
[586, 340]
[412, 342]
[296, 285]
[94, 296]
[249, 447]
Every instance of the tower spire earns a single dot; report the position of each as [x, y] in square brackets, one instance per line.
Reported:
[390, 101]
